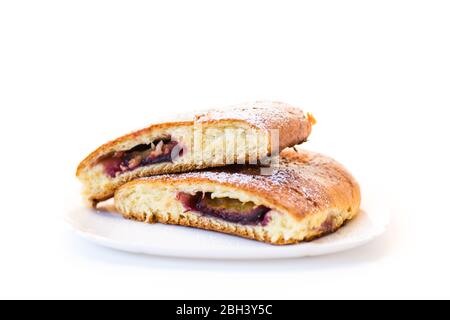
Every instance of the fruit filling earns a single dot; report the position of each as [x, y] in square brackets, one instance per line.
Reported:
[227, 209]
[159, 151]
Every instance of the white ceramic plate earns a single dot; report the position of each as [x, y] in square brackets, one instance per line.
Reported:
[111, 230]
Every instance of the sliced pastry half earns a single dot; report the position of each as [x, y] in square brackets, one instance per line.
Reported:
[246, 133]
[309, 195]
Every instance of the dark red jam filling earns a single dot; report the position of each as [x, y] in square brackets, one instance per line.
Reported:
[144, 154]
[227, 209]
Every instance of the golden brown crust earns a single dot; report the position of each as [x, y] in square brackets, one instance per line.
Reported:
[305, 183]
[293, 125]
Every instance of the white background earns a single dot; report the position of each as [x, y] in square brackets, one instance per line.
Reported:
[376, 75]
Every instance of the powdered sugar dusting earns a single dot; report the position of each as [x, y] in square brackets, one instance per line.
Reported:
[260, 114]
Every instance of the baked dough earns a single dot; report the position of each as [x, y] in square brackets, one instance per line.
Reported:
[309, 195]
[239, 134]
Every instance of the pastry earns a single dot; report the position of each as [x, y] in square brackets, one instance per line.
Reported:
[307, 196]
[246, 133]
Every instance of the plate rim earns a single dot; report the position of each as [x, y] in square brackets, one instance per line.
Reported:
[300, 250]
